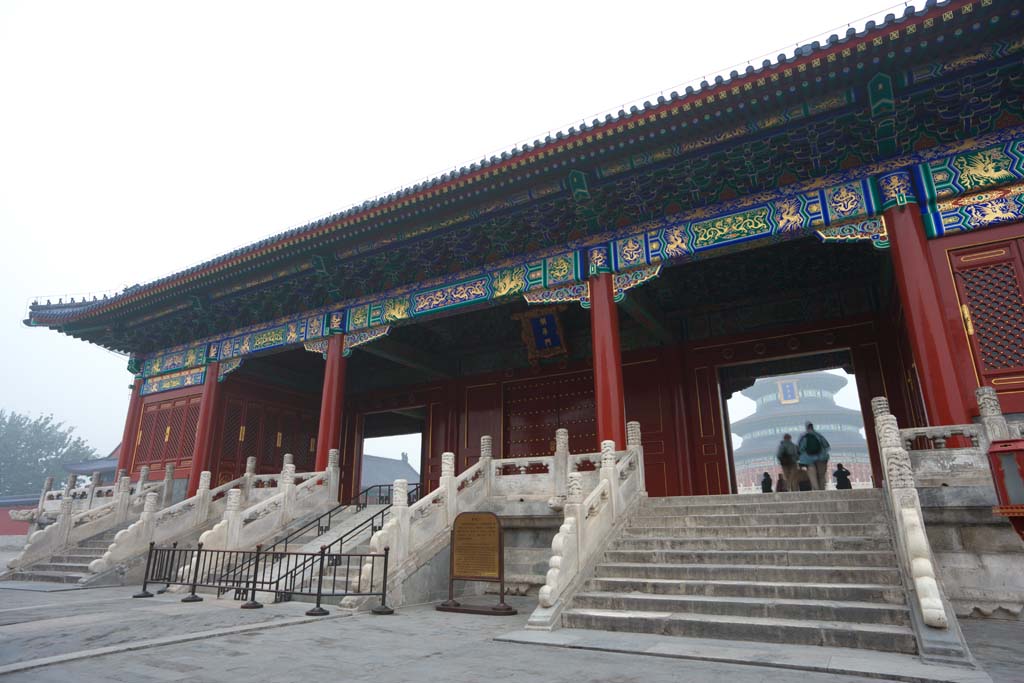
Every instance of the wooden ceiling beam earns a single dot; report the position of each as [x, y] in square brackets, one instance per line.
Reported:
[410, 357]
[646, 319]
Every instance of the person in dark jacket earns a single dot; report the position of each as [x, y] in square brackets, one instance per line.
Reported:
[780, 484]
[766, 483]
[788, 456]
[814, 452]
[842, 477]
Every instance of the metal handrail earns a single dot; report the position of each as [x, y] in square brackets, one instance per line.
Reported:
[332, 574]
[377, 493]
[374, 522]
[382, 495]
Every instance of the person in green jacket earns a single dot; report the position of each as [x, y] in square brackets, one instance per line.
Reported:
[814, 453]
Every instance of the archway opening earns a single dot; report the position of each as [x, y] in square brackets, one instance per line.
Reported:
[765, 401]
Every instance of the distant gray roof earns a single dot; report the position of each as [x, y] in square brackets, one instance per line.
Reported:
[87, 467]
[18, 501]
[378, 470]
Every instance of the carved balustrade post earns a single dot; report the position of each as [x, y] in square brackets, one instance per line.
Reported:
[333, 474]
[143, 479]
[608, 474]
[47, 487]
[996, 428]
[287, 490]
[69, 485]
[487, 463]
[249, 477]
[203, 497]
[447, 483]
[167, 494]
[65, 520]
[150, 505]
[93, 483]
[288, 459]
[574, 507]
[233, 517]
[560, 468]
[634, 444]
[401, 515]
[879, 406]
[122, 499]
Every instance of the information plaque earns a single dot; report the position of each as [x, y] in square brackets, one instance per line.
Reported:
[477, 554]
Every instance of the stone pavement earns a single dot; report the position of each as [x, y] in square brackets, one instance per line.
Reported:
[106, 636]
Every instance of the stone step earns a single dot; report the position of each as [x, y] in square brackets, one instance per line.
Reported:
[763, 590]
[783, 519]
[94, 545]
[78, 555]
[791, 558]
[50, 577]
[731, 572]
[773, 507]
[759, 498]
[883, 637]
[816, 610]
[66, 567]
[726, 543]
[658, 530]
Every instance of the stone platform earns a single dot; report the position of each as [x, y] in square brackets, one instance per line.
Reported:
[104, 635]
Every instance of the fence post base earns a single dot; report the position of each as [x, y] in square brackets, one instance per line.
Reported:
[317, 611]
[252, 604]
[143, 594]
[381, 610]
[192, 598]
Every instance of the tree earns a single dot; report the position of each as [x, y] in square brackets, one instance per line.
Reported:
[31, 450]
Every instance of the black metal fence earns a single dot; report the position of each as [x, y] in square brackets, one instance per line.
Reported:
[285, 575]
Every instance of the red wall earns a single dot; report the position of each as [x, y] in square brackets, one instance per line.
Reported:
[10, 527]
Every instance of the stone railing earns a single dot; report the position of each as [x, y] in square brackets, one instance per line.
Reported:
[589, 519]
[244, 527]
[71, 527]
[171, 522]
[545, 477]
[416, 534]
[87, 497]
[957, 455]
[912, 542]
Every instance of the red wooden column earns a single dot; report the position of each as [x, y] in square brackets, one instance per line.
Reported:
[130, 436]
[204, 426]
[926, 321]
[609, 396]
[331, 402]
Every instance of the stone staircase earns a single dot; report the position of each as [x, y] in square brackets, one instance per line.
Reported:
[812, 568]
[71, 566]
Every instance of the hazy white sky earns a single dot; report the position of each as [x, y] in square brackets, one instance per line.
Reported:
[138, 138]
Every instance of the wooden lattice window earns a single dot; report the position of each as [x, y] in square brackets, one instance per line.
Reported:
[990, 286]
[188, 434]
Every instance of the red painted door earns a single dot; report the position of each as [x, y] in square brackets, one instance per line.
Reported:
[990, 287]
[708, 456]
[649, 402]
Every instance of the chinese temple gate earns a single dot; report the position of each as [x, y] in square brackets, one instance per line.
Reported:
[864, 197]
